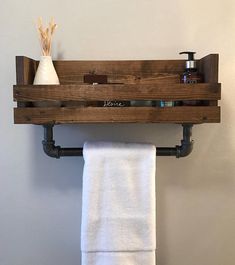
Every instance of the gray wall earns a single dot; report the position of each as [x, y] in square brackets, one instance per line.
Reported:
[40, 197]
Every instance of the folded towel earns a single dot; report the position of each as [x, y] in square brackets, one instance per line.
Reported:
[118, 204]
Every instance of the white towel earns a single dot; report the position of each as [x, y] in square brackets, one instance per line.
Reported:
[118, 204]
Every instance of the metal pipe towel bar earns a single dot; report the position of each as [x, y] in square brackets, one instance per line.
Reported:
[178, 151]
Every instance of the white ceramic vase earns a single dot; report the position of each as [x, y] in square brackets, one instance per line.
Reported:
[46, 75]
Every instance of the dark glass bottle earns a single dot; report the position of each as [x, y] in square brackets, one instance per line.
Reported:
[191, 76]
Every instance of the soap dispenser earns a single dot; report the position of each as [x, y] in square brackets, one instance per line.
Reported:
[191, 76]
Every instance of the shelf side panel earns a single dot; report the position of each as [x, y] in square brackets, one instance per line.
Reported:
[209, 67]
[25, 72]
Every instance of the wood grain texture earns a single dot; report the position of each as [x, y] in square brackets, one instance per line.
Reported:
[122, 71]
[138, 80]
[155, 91]
[192, 115]
[209, 67]
[25, 72]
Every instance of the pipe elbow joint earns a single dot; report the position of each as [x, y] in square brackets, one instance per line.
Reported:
[184, 149]
[50, 149]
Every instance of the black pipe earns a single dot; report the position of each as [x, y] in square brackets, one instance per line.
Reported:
[178, 151]
[166, 151]
[56, 151]
[186, 146]
[182, 150]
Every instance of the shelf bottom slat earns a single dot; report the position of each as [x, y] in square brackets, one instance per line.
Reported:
[188, 114]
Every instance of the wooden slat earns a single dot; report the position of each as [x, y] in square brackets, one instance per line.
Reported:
[118, 92]
[25, 72]
[209, 66]
[118, 71]
[127, 71]
[120, 66]
[119, 115]
[138, 78]
[124, 71]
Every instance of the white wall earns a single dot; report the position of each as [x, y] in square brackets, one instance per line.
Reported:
[40, 197]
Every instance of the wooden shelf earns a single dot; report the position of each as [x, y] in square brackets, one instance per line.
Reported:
[141, 80]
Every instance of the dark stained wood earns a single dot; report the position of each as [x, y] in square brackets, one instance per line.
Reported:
[25, 72]
[155, 91]
[209, 67]
[126, 78]
[137, 80]
[119, 115]
[123, 70]
[93, 78]
[167, 78]
[120, 71]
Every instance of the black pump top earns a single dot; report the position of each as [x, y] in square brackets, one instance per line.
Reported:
[190, 63]
[190, 55]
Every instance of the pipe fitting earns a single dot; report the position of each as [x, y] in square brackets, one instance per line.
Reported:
[186, 146]
[184, 149]
[50, 149]
[178, 151]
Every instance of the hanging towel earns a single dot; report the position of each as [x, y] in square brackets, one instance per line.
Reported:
[118, 204]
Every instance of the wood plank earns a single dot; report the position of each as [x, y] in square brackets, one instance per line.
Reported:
[141, 78]
[121, 70]
[25, 72]
[118, 71]
[209, 67]
[155, 91]
[119, 115]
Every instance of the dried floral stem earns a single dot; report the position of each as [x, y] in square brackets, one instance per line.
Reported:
[45, 36]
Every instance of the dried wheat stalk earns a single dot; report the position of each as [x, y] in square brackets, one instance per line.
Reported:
[45, 36]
